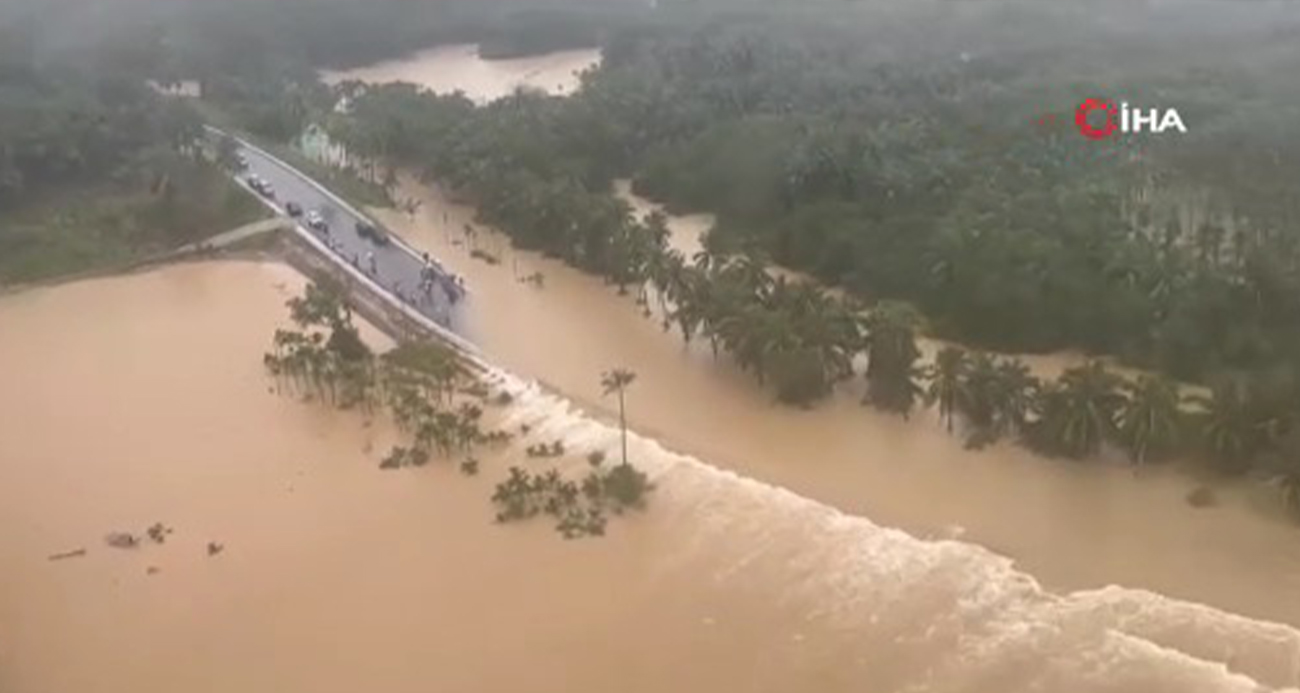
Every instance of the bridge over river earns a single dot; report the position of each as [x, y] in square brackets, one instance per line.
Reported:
[395, 275]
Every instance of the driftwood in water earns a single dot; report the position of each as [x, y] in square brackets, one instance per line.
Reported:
[68, 554]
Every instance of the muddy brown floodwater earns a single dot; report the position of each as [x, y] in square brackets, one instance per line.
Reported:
[140, 399]
[768, 561]
[446, 69]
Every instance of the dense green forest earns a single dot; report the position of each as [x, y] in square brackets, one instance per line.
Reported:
[97, 168]
[899, 150]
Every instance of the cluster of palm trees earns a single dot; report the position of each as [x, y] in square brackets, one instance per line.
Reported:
[789, 334]
[436, 424]
[1242, 424]
[804, 341]
[325, 358]
[435, 399]
[579, 507]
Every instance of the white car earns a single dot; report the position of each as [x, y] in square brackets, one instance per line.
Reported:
[315, 220]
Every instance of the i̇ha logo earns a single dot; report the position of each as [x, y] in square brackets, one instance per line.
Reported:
[1099, 119]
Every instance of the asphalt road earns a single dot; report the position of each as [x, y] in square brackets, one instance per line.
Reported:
[395, 268]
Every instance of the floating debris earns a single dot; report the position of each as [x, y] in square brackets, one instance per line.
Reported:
[122, 540]
[68, 554]
[214, 548]
[158, 532]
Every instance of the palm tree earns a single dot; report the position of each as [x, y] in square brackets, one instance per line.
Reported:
[617, 381]
[947, 386]
[1232, 431]
[1015, 392]
[1150, 420]
[983, 397]
[1079, 410]
[891, 358]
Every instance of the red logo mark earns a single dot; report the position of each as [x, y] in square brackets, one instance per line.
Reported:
[1088, 129]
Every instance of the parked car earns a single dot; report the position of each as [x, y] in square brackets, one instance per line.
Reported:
[293, 209]
[371, 233]
[255, 182]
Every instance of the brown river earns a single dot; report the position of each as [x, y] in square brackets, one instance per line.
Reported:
[446, 69]
[835, 549]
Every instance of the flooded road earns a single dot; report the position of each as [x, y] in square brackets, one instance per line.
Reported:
[140, 399]
[447, 69]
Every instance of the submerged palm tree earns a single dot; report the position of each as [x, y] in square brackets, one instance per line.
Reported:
[1150, 420]
[947, 386]
[1237, 423]
[617, 381]
[891, 358]
[1079, 411]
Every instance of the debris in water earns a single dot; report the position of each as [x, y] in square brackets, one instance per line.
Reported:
[214, 548]
[122, 540]
[68, 554]
[153, 569]
[158, 532]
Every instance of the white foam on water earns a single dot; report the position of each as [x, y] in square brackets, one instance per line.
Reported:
[945, 615]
